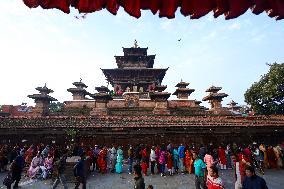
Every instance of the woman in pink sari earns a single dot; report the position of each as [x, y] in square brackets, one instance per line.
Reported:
[48, 165]
[35, 165]
[208, 160]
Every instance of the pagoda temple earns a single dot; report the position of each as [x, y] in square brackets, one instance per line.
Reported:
[134, 72]
[137, 90]
[42, 100]
[139, 111]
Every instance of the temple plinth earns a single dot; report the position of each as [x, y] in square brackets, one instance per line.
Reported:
[102, 98]
[215, 98]
[135, 72]
[79, 92]
[42, 101]
[182, 92]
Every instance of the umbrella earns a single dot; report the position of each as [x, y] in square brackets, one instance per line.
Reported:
[167, 8]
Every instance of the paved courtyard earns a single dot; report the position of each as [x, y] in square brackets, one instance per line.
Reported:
[274, 179]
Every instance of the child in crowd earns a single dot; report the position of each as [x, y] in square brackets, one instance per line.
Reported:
[150, 187]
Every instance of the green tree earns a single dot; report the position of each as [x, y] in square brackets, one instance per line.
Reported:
[55, 107]
[267, 95]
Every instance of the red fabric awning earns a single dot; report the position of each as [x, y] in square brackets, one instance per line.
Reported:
[167, 8]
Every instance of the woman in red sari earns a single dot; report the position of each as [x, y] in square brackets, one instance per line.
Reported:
[170, 163]
[29, 155]
[188, 161]
[271, 158]
[145, 161]
[222, 157]
[102, 160]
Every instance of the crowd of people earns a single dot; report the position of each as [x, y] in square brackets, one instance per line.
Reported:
[42, 161]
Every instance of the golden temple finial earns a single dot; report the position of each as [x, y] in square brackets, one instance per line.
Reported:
[135, 44]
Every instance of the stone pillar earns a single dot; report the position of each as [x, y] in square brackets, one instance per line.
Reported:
[100, 108]
[182, 96]
[161, 107]
[101, 104]
[40, 109]
[161, 100]
[78, 97]
[215, 104]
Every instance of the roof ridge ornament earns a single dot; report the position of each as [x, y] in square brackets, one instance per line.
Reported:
[135, 44]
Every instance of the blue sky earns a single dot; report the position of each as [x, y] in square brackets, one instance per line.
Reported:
[47, 46]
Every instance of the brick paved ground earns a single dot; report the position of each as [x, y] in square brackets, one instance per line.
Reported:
[274, 179]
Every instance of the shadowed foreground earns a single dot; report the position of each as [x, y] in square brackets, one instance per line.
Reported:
[274, 179]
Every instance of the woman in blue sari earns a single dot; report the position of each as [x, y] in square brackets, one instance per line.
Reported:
[119, 160]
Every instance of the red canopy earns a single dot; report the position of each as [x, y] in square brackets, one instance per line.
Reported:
[167, 8]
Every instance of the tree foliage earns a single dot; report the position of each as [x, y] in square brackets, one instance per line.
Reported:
[267, 95]
[55, 107]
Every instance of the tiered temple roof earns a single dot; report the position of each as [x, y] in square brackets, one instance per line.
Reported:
[233, 106]
[135, 71]
[79, 92]
[42, 101]
[159, 94]
[43, 94]
[182, 92]
[214, 95]
[102, 95]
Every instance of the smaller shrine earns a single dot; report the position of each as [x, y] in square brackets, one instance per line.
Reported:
[233, 106]
[79, 92]
[215, 99]
[42, 101]
[182, 92]
[102, 98]
[161, 99]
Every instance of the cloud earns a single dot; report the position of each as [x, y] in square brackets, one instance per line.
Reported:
[235, 26]
[258, 37]
[167, 25]
[209, 17]
[211, 35]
